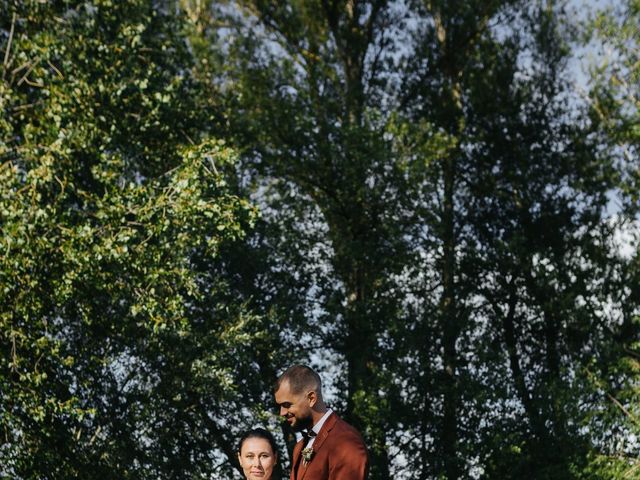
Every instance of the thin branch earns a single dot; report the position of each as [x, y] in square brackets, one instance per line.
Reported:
[14, 354]
[402, 446]
[189, 139]
[34, 84]
[24, 65]
[5, 63]
[622, 407]
[29, 70]
[630, 473]
[95, 435]
[55, 69]
[25, 106]
[599, 383]
[633, 353]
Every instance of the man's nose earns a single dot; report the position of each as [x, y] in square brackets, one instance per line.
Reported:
[283, 411]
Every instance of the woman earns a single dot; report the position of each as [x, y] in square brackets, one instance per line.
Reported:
[257, 454]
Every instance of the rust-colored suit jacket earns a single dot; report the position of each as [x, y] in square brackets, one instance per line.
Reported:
[338, 454]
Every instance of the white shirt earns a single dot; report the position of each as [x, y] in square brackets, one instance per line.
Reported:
[316, 428]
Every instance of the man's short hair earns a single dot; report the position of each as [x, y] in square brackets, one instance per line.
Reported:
[300, 378]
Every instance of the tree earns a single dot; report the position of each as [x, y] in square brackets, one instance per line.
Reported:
[415, 171]
[614, 110]
[529, 240]
[302, 113]
[434, 235]
[121, 340]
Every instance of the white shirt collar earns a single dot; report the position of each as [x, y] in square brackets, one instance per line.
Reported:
[316, 428]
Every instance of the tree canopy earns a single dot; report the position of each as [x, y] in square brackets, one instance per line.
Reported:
[413, 197]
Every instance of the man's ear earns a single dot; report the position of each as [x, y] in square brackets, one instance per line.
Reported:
[313, 398]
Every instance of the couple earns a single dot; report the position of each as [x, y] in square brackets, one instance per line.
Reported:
[330, 448]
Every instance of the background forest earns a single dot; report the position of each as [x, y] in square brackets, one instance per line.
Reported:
[432, 202]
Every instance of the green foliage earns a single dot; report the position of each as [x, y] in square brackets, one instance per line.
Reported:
[615, 94]
[615, 110]
[435, 232]
[459, 201]
[114, 207]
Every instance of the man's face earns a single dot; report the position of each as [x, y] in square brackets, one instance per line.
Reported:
[295, 408]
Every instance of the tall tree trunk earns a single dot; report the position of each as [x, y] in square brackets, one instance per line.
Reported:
[508, 324]
[552, 333]
[361, 343]
[450, 327]
[544, 296]
[359, 351]
[453, 120]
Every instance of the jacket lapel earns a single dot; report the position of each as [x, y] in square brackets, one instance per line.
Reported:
[317, 443]
[297, 450]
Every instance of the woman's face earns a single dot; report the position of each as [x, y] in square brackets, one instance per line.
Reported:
[257, 458]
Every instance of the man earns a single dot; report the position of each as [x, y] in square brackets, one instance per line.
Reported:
[330, 449]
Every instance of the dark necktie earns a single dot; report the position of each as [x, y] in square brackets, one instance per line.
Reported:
[307, 435]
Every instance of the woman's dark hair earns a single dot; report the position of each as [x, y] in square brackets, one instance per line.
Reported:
[259, 433]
